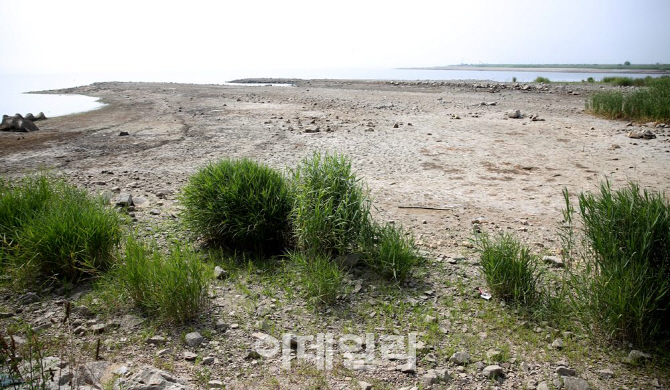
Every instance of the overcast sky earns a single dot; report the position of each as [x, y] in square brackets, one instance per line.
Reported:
[93, 36]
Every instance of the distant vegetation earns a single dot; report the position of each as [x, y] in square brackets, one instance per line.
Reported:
[626, 65]
[649, 103]
[541, 79]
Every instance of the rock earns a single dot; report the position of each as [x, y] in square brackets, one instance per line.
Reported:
[605, 374]
[572, 383]
[364, 385]
[66, 378]
[543, 386]
[40, 117]
[151, 378]
[194, 339]
[494, 355]
[83, 311]
[208, 360]
[220, 273]
[17, 123]
[395, 125]
[492, 371]
[130, 322]
[124, 200]
[460, 358]
[252, 355]
[123, 133]
[79, 331]
[215, 384]
[408, 368]
[525, 367]
[98, 328]
[92, 373]
[220, 325]
[163, 352]
[156, 340]
[637, 357]
[553, 261]
[642, 134]
[513, 114]
[6, 314]
[190, 356]
[565, 371]
[428, 380]
[29, 298]
[558, 344]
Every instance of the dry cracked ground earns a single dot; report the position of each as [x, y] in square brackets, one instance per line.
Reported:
[440, 158]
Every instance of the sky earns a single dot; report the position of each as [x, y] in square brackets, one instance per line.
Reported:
[46, 37]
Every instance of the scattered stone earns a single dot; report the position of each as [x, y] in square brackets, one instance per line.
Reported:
[220, 325]
[543, 386]
[215, 384]
[428, 380]
[98, 328]
[65, 378]
[6, 314]
[460, 358]
[513, 114]
[553, 261]
[163, 352]
[129, 322]
[79, 331]
[124, 200]
[408, 368]
[525, 367]
[565, 371]
[156, 340]
[123, 133]
[492, 371]
[151, 378]
[494, 355]
[194, 339]
[190, 356]
[252, 355]
[220, 273]
[641, 134]
[29, 298]
[364, 385]
[558, 344]
[395, 125]
[637, 357]
[573, 383]
[155, 212]
[208, 361]
[83, 311]
[605, 374]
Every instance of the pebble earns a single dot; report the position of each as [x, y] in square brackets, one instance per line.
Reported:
[156, 340]
[190, 356]
[215, 384]
[492, 371]
[194, 339]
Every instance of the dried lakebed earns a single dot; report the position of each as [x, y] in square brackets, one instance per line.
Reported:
[440, 158]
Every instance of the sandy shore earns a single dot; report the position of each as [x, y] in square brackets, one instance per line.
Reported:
[448, 147]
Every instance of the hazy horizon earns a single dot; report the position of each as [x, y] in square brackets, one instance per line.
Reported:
[43, 37]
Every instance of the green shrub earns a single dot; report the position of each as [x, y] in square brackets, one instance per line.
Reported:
[239, 204]
[650, 103]
[509, 268]
[590, 80]
[625, 287]
[321, 278]
[541, 79]
[170, 286]
[331, 208]
[389, 251]
[53, 229]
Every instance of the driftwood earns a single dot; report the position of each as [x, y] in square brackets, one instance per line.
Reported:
[428, 208]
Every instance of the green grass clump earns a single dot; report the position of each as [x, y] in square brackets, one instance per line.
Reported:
[625, 287]
[650, 103]
[239, 204]
[510, 269]
[321, 277]
[627, 81]
[54, 230]
[331, 208]
[541, 79]
[389, 251]
[168, 286]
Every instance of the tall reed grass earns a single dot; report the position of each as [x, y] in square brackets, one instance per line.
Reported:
[651, 103]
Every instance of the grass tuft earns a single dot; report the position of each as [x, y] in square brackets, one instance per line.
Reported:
[52, 229]
[168, 286]
[321, 278]
[650, 103]
[625, 286]
[390, 251]
[541, 79]
[239, 204]
[509, 268]
[331, 208]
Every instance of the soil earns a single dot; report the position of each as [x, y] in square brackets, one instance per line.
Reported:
[438, 157]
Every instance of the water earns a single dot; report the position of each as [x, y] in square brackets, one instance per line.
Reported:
[14, 100]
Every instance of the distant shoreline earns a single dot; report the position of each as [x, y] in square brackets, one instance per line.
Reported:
[545, 68]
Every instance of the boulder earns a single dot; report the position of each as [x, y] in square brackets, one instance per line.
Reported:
[17, 123]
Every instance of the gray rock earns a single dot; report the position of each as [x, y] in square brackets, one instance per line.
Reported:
[461, 358]
[565, 371]
[543, 386]
[215, 384]
[79, 331]
[156, 340]
[220, 325]
[163, 352]
[151, 378]
[91, 373]
[129, 322]
[513, 114]
[194, 339]
[155, 212]
[124, 200]
[572, 383]
[6, 314]
[492, 371]
[252, 355]
[558, 344]
[637, 357]
[83, 311]
[428, 380]
[17, 123]
[190, 356]
[641, 134]
[553, 261]
[364, 385]
[605, 374]
[408, 368]
[208, 360]
[65, 378]
[98, 328]
[29, 298]
[220, 273]
[123, 133]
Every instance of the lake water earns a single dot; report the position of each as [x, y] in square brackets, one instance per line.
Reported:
[14, 100]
